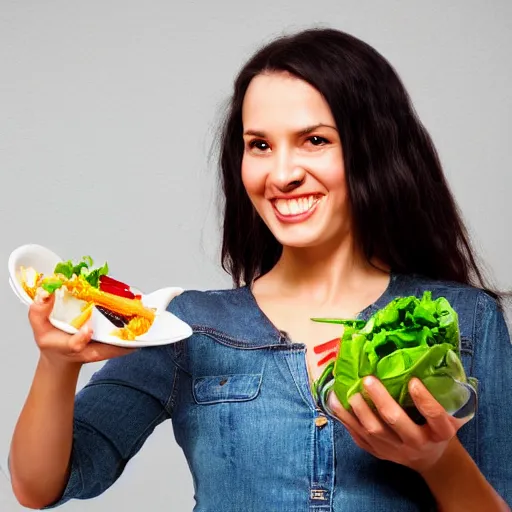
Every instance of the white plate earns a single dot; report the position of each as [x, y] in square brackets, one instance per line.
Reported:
[166, 328]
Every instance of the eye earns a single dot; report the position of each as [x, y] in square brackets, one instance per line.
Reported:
[316, 140]
[259, 145]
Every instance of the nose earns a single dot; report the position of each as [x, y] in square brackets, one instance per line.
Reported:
[287, 175]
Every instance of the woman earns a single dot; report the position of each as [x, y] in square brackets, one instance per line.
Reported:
[335, 203]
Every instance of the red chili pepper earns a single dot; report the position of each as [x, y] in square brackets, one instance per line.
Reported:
[326, 346]
[329, 356]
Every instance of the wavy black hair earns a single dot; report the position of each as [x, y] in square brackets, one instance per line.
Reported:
[403, 211]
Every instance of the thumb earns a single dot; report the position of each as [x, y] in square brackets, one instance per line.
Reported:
[40, 310]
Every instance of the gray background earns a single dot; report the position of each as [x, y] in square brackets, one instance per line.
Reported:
[108, 111]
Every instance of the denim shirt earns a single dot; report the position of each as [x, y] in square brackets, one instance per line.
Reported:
[238, 395]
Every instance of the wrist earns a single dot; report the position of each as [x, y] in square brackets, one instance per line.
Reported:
[443, 465]
[57, 366]
[457, 483]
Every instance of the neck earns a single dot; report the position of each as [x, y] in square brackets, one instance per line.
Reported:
[325, 274]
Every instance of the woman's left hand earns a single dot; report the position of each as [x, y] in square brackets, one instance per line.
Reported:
[390, 434]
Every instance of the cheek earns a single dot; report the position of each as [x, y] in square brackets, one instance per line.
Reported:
[329, 168]
[252, 178]
[334, 179]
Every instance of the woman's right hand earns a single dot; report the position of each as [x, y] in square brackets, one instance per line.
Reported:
[58, 346]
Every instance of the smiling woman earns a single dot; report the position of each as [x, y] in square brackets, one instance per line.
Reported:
[335, 205]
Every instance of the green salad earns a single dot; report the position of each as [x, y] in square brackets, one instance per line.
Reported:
[410, 337]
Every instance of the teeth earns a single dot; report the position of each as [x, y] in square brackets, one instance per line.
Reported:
[295, 206]
[285, 208]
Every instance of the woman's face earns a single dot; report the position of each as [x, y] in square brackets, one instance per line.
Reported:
[292, 166]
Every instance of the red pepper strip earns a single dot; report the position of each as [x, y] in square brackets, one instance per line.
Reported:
[330, 355]
[115, 282]
[116, 290]
[326, 346]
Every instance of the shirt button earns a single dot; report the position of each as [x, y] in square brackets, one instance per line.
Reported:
[320, 421]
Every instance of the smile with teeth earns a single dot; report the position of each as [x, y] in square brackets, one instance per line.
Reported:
[296, 206]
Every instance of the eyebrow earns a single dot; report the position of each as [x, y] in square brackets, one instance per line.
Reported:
[304, 131]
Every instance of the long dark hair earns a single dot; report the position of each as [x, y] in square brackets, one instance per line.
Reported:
[403, 210]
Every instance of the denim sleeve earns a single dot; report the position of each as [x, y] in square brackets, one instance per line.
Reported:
[115, 412]
[493, 368]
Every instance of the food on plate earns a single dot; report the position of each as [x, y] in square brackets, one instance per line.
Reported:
[409, 337]
[80, 287]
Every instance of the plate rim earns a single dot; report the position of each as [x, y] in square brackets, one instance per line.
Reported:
[69, 329]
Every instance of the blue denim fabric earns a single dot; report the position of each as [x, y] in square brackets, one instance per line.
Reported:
[238, 396]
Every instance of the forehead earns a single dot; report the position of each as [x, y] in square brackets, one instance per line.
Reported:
[280, 100]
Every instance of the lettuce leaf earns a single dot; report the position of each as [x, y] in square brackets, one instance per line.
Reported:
[410, 337]
[52, 284]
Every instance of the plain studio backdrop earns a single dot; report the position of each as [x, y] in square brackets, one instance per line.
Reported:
[108, 113]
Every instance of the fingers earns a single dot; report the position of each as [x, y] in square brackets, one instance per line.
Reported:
[88, 351]
[360, 441]
[374, 439]
[39, 312]
[371, 422]
[95, 352]
[363, 423]
[78, 341]
[341, 413]
[59, 345]
[391, 414]
[442, 425]
[388, 433]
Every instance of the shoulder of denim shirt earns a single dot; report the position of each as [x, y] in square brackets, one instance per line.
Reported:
[230, 313]
[197, 306]
[419, 284]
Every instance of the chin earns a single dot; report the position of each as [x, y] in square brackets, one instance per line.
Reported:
[302, 242]
[311, 238]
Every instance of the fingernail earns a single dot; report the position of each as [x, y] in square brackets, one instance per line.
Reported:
[41, 296]
[369, 381]
[414, 388]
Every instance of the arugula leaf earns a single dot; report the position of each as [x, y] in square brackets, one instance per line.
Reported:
[83, 269]
[88, 261]
[77, 269]
[93, 276]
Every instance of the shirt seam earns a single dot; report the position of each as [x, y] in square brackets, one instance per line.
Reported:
[477, 313]
[153, 423]
[230, 341]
